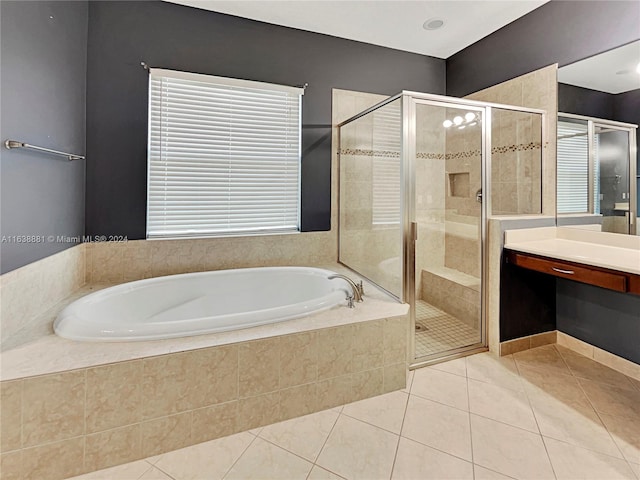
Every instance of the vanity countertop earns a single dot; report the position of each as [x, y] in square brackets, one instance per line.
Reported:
[599, 249]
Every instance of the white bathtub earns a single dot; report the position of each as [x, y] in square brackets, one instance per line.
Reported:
[199, 303]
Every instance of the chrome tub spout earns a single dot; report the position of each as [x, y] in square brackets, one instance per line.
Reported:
[357, 289]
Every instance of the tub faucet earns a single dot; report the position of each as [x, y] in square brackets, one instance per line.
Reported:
[357, 288]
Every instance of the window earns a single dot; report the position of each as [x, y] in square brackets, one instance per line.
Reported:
[386, 195]
[223, 156]
[574, 188]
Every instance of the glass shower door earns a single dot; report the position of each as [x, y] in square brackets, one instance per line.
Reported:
[446, 221]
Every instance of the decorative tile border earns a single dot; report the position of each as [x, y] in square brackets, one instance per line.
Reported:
[60, 425]
[521, 147]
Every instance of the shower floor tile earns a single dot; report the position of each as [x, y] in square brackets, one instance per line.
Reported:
[440, 331]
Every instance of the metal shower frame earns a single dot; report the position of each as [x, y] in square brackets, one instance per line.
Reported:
[409, 100]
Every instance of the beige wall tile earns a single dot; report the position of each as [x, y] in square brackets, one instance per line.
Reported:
[396, 331]
[54, 461]
[259, 367]
[214, 422]
[617, 363]
[53, 407]
[546, 338]
[31, 290]
[113, 396]
[112, 447]
[178, 382]
[258, 411]
[11, 466]
[336, 347]
[165, 434]
[298, 401]
[394, 377]
[298, 359]
[514, 346]
[10, 415]
[334, 391]
[368, 346]
[574, 344]
[367, 384]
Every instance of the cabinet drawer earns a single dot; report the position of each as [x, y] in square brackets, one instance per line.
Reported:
[634, 284]
[599, 278]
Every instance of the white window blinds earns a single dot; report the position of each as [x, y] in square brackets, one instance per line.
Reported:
[386, 195]
[223, 156]
[573, 168]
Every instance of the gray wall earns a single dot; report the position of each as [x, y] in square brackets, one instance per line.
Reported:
[604, 318]
[43, 76]
[122, 34]
[561, 31]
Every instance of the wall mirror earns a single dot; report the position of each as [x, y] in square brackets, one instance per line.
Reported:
[597, 160]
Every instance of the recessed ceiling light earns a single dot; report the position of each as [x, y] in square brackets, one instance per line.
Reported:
[638, 68]
[433, 24]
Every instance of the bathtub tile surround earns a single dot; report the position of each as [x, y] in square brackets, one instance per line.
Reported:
[408, 434]
[27, 292]
[92, 418]
[111, 262]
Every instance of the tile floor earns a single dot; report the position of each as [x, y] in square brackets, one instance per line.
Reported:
[546, 413]
[440, 331]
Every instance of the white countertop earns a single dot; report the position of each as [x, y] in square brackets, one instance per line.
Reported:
[598, 249]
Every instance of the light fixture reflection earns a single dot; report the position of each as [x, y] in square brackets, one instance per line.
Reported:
[447, 123]
[457, 120]
[469, 116]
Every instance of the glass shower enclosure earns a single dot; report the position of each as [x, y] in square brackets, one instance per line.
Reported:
[414, 199]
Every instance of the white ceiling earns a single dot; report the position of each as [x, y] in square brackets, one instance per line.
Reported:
[389, 23]
[613, 71]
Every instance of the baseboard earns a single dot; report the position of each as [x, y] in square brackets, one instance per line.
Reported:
[608, 359]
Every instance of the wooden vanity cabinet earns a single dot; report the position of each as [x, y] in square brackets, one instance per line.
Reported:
[579, 272]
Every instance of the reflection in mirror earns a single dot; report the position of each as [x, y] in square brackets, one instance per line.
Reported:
[593, 173]
[597, 141]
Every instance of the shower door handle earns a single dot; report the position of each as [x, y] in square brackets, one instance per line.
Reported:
[414, 231]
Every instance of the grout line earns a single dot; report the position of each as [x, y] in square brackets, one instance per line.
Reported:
[473, 461]
[239, 456]
[404, 416]
[286, 450]
[147, 470]
[325, 442]
[535, 418]
[154, 467]
[604, 425]
[378, 426]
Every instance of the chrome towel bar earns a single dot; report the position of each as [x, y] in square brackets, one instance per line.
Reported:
[15, 144]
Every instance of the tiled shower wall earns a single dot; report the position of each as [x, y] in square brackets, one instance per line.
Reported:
[514, 177]
[372, 250]
[463, 165]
